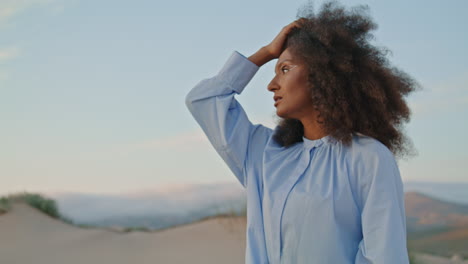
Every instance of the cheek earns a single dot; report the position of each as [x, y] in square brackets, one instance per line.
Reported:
[302, 93]
[303, 100]
[300, 83]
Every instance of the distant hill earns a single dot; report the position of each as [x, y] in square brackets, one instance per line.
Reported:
[425, 212]
[435, 226]
[456, 192]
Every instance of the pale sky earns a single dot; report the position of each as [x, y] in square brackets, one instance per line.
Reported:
[92, 93]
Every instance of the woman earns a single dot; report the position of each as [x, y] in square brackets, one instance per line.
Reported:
[323, 186]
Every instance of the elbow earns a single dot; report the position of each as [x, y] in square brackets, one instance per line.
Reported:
[191, 96]
[189, 100]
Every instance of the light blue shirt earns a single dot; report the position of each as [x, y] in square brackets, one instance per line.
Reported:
[315, 202]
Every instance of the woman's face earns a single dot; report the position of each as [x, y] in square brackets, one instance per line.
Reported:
[290, 86]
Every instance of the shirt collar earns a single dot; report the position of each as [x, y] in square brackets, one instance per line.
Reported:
[311, 143]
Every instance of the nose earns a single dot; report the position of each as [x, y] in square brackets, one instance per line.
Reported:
[273, 85]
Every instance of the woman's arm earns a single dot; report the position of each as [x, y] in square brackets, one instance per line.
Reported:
[381, 200]
[261, 57]
[222, 118]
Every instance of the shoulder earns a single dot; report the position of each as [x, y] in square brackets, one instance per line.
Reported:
[365, 148]
[366, 156]
[373, 171]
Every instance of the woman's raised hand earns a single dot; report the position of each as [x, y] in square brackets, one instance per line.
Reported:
[274, 49]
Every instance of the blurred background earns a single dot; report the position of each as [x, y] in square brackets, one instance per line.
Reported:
[93, 116]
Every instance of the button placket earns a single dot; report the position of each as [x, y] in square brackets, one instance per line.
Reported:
[278, 214]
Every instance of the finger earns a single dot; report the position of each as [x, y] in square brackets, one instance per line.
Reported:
[291, 26]
[294, 24]
[299, 21]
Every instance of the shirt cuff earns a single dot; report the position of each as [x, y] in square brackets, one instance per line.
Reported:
[238, 71]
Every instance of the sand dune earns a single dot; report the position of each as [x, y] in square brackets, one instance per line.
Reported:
[422, 258]
[29, 236]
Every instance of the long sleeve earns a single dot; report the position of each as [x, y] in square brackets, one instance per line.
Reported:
[383, 217]
[222, 118]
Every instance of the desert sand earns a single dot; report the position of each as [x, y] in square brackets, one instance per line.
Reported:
[29, 236]
[422, 258]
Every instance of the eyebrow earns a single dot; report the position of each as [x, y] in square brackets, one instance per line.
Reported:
[279, 64]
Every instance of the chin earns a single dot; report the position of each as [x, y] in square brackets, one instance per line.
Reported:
[280, 114]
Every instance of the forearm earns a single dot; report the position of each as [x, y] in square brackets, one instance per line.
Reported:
[213, 105]
[261, 57]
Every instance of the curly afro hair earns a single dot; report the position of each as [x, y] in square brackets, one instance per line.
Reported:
[353, 87]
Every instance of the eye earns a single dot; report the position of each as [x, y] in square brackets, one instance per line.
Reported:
[284, 68]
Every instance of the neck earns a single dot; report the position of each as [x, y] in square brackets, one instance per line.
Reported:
[312, 129]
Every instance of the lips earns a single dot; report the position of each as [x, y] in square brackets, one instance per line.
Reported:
[277, 99]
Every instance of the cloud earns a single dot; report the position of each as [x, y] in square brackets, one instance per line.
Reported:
[183, 141]
[193, 140]
[8, 53]
[11, 8]
[186, 141]
[152, 207]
